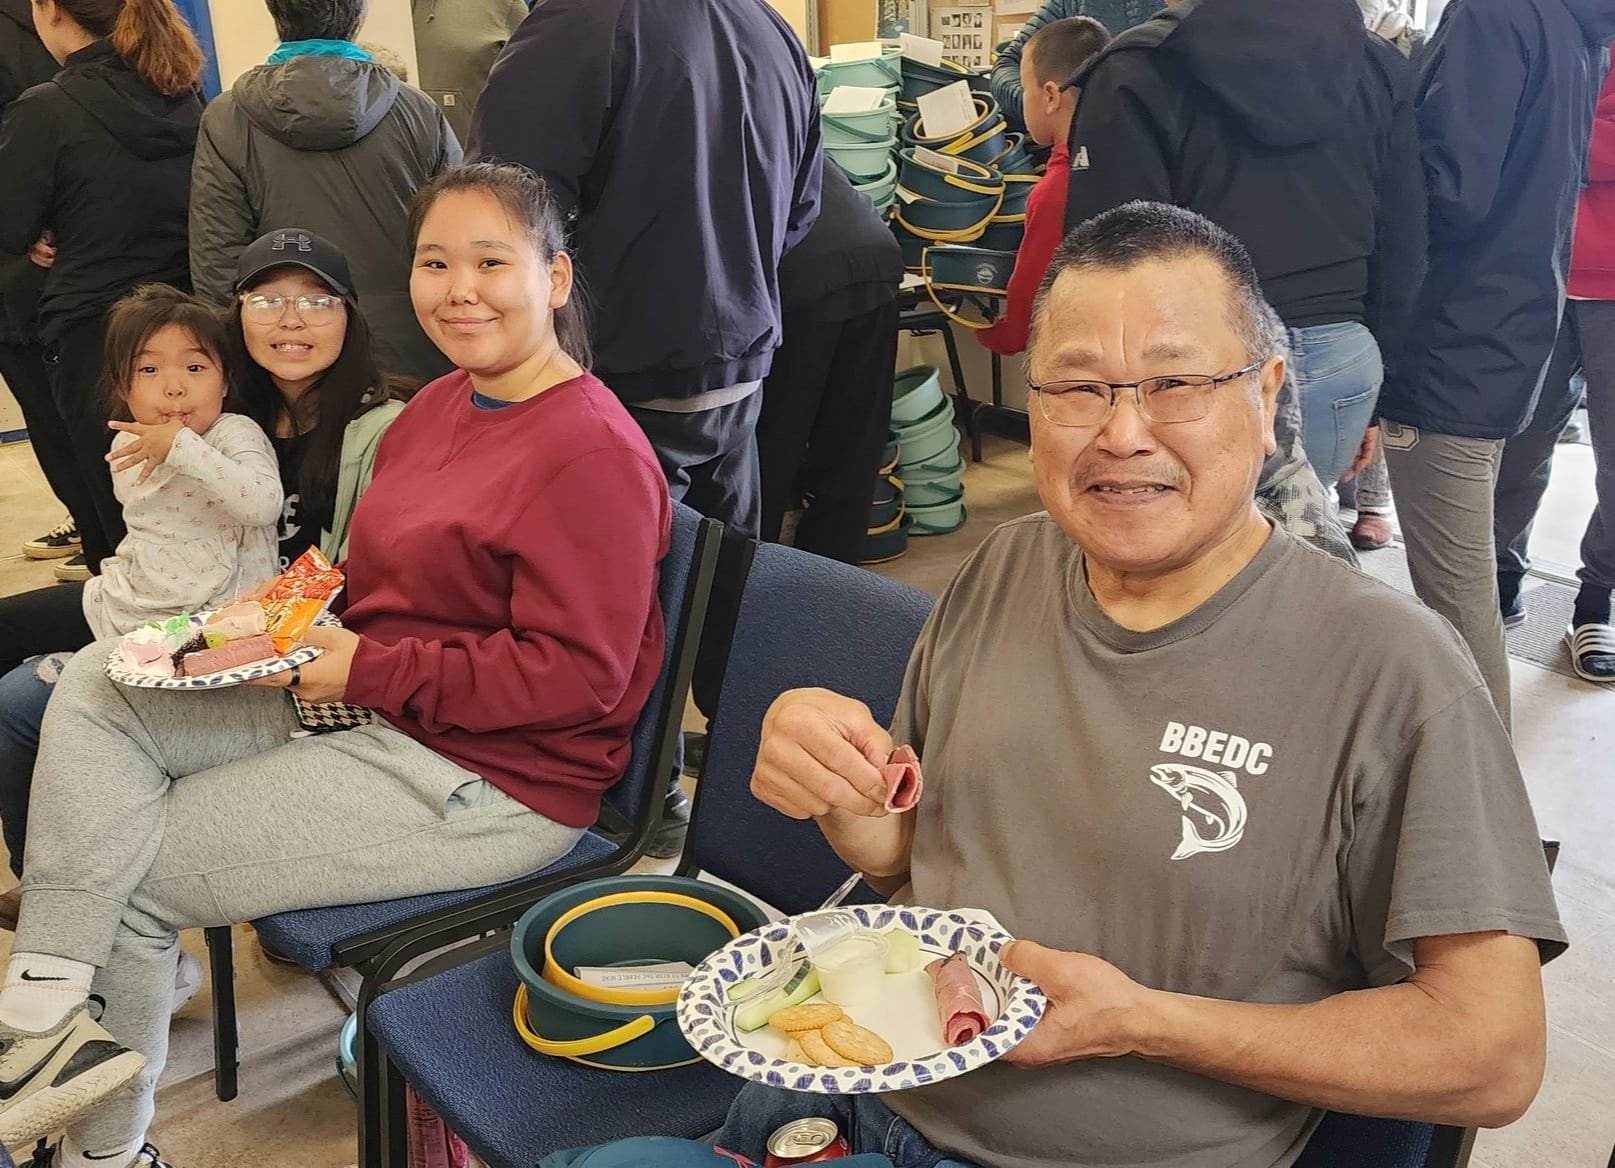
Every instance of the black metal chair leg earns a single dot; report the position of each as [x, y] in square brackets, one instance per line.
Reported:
[226, 1045]
[955, 367]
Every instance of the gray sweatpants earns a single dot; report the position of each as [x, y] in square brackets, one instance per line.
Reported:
[1444, 487]
[158, 810]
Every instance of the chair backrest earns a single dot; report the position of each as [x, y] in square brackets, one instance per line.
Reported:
[683, 589]
[804, 621]
[1356, 1141]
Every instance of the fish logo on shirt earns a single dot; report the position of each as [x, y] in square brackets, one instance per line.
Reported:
[1213, 808]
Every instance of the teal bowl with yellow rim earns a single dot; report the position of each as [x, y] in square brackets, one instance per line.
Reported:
[617, 922]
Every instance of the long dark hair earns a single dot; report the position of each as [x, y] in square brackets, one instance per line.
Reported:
[527, 200]
[151, 37]
[138, 317]
[350, 388]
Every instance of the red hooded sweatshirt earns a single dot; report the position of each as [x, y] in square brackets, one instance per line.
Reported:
[1592, 259]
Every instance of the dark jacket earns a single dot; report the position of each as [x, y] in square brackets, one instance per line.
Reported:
[338, 147]
[1116, 15]
[1290, 125]
[1507, 90]
[683, 135]
[847, 265]
[24, 63]
[104, 161]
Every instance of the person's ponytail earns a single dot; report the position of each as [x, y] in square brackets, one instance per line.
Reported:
[155, 41]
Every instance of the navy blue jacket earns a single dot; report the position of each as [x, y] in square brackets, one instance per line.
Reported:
[1290, 125]
[1506, 95]
[683, 137]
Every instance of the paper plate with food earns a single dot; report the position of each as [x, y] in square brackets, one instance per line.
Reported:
[883, 999]
[240, 642]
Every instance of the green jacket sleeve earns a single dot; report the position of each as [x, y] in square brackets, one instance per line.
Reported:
[359, 445]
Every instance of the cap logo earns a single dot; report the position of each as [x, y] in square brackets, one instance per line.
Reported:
[284, 240]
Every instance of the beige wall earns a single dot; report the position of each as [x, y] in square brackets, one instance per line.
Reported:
[245, 35]
[796, 13]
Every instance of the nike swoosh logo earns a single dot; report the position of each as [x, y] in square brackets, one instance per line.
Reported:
[10, 1087]
[26, 976]
[108, 1156]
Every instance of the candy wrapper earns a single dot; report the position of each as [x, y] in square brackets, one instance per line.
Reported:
[290, 619]
[311, 578]
[297, 597]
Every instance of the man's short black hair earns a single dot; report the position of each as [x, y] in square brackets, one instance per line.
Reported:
[316, 20]
[1120, 239]
[1062, 47]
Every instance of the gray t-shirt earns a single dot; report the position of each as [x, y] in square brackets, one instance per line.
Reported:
[1265, 801]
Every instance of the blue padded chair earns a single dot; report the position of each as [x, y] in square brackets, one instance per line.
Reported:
[355, 936]
[803, 621]
[1355, 1141]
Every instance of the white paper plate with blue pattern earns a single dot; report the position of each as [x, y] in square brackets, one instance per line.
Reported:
[124, 674]
[906, 1016]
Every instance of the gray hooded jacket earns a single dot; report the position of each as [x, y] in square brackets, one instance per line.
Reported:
[333, 145]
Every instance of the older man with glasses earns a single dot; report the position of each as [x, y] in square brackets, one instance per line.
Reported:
[1264, 862]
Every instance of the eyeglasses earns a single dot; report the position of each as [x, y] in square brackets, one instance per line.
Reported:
[262, 309]
[1183, 397]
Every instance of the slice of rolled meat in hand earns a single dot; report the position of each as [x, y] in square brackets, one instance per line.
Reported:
[958, 999]
[903, 781]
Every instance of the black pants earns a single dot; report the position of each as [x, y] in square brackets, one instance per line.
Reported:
[826, 410]
[23, 368]
[710, 460]
[73, 364]
[46, 620]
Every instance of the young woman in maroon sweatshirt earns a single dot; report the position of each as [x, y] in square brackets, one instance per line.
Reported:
[501, 620]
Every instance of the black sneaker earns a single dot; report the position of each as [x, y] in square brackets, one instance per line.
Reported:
[1592, 651]
[667, 840]
[72, 571]
[60, 541]
[1513, 612]
[47, 1080]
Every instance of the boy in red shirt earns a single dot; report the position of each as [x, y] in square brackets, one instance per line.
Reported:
[1049, 63]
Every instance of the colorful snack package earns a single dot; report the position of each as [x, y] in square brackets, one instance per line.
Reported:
[290, 619]
[311, 578]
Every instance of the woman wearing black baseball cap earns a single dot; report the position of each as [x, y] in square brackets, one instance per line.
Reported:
[309, 379]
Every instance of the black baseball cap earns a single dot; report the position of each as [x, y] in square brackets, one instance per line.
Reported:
[292, 247]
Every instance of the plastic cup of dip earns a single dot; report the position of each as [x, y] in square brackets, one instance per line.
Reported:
[852, 972]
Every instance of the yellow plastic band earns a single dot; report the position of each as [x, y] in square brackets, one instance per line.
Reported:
[953, 314]
[888, 528]
[561, 979]
[577, 1047]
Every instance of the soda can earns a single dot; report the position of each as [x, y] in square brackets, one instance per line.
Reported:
[806, 1141]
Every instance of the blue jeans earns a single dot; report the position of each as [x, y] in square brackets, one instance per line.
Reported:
[1338, 372]
[23, 695]
[866, 1122]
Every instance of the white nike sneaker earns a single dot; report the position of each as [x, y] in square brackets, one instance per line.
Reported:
[49, 1157]
[47, 1080]
[187, 980]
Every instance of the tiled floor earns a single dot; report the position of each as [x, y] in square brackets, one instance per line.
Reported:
[292, 1109]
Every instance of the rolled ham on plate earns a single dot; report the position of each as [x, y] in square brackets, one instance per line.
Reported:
[903, 781]
[958, 999]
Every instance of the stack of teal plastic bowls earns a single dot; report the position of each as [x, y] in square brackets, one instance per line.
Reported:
[930, 466]
[887, 535]
[861, 144]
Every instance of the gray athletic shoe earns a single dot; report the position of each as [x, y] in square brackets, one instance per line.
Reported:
[48, 1080]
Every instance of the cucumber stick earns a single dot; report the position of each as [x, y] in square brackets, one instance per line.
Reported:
[902, 951]
[755, 1015]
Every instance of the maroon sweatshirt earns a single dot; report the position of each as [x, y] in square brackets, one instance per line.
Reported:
[502, 578]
